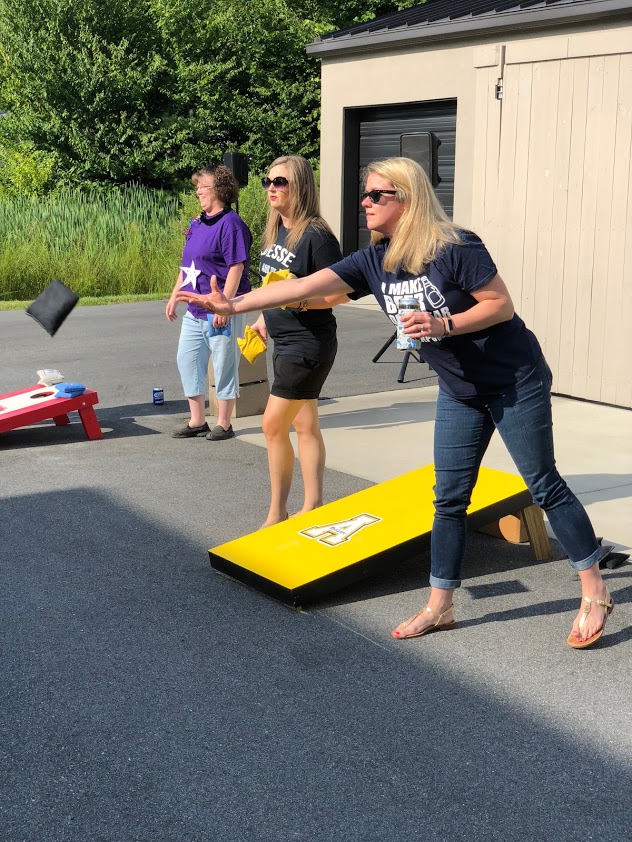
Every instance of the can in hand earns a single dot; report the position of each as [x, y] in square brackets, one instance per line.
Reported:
[405, 342]
[158, 396]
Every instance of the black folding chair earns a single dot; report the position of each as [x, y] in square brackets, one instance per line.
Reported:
[407, 355]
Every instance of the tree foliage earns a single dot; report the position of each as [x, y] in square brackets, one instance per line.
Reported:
[146, 90]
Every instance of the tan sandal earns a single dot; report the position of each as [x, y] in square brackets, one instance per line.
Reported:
[436, 626]
[607, 603]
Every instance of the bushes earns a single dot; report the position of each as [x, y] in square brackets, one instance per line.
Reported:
[24, 170]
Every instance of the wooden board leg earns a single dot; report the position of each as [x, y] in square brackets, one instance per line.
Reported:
[61, 420]
[533, 519]
[509, 527]
[90, 423]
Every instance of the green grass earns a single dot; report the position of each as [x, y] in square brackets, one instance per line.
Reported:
[93, 301]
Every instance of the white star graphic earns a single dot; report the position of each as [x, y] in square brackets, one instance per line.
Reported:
[190, 275]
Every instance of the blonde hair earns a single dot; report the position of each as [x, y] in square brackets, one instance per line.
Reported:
[423, 228]
[304, 204]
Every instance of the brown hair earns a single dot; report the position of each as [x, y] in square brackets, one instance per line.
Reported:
[226, 186]
[304, 203]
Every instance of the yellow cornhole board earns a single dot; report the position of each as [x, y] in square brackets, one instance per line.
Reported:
[319, 552]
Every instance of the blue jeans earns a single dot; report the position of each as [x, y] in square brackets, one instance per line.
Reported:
[196, 348]
[522, 416]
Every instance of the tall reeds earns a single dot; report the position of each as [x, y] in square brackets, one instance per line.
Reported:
[110, 242]
[124, 241]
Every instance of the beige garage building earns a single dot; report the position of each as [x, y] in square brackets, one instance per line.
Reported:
[532, 106]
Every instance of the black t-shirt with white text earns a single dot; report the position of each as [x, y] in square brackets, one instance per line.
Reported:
[310, 334]
[485, 362]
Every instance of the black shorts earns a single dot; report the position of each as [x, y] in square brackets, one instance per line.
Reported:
[298, 378]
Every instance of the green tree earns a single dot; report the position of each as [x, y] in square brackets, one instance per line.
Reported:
[147, 90]
[86, 80]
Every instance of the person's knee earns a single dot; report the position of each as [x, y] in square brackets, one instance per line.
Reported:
[454, 509]
[274, 426]
[307, 427]
[452, 502]
[549, 491]
[452, 495]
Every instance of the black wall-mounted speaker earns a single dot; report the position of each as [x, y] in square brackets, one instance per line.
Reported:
[237, 163]
[422, 147]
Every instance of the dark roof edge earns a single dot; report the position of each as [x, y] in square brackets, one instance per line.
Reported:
[469, 27]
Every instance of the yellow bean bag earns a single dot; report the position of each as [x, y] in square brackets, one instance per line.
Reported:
[281, 275]
[252, 345]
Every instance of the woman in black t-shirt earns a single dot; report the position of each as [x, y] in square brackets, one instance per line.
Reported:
[492, 376]
[296, 239]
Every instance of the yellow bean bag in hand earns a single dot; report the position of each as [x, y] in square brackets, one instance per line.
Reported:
[252, 345]
[280, 275]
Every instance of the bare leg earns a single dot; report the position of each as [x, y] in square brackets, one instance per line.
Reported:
[277, 420]
[439, 602]
[593, 586]
[311, 455]
[224, 412]
[197, 408]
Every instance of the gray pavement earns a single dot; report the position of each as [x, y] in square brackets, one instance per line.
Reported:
[147, 699]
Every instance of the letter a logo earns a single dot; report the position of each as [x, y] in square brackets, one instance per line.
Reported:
[334, 534]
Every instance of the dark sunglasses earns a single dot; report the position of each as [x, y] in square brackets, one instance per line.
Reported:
[277, 182]
[376, 195]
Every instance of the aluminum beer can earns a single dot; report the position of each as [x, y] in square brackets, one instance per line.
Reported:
[405, 342]
[158, 395]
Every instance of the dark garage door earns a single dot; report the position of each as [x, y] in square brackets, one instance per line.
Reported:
[375, 133]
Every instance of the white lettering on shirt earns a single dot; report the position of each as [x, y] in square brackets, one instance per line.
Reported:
[279, 254]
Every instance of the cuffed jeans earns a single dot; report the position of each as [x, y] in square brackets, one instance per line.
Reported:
[196, 348]
[522, 416]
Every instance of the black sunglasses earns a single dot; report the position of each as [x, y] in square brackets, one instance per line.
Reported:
[376, 195]
[279, 181]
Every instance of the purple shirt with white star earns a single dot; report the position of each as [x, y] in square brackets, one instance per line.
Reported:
[213, 245]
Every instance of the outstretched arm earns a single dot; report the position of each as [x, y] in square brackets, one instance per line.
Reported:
[327, 301]
[317, 285]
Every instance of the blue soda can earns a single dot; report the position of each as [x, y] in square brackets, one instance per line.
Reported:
[158, 395]
[405, 342]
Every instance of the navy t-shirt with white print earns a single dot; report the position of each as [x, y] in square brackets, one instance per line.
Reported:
[485, 362]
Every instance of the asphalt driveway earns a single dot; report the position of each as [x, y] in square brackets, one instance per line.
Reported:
[146, 698]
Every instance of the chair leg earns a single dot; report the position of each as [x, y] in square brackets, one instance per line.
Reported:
[402, 371]
[384, 347]
[533, 519]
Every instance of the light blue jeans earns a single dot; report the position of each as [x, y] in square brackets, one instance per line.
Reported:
[196, 348]
[522, 416]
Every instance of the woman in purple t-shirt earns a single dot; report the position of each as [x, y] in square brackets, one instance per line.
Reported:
[217, 243]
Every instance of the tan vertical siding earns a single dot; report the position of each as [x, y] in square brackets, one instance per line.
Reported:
[560, 210]
[563, 213]
[617, 372]
[544, 176]
[486, 151]
[572, 241]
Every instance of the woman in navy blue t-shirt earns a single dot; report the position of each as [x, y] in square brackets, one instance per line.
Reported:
[492, 375]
